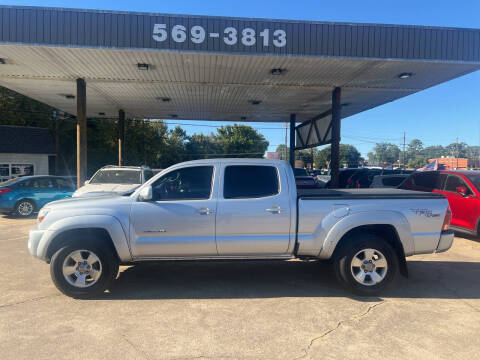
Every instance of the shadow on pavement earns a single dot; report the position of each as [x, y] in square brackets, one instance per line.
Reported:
[467, 237]
[269, 279]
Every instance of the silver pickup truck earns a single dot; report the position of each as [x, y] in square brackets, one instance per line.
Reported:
[239, 209]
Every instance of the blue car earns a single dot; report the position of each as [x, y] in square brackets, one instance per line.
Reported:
[25, 195]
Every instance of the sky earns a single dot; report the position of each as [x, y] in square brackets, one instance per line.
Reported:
[436, 116]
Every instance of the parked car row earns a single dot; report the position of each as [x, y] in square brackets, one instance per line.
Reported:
[26, 195]
[23, 196]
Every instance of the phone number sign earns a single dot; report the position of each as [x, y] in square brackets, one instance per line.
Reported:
[229, 36]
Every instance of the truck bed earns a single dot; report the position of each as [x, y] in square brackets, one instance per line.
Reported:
[311, 194]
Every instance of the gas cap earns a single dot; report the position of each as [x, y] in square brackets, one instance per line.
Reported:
[341, 210]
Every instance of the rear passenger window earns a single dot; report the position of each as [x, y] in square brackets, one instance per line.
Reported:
[429, 180]
[63, 183]
[250, 181]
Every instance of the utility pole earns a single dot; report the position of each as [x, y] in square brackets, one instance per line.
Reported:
[403, 151]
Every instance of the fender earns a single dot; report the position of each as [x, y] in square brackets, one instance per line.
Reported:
[106, 222]
[394, 218]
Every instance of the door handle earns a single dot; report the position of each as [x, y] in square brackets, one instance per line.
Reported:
[205, 211]
[274, 210]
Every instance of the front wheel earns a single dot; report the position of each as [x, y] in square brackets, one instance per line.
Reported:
[367, 266]
[83, 270]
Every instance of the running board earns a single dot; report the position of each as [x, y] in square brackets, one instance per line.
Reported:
[243, 257]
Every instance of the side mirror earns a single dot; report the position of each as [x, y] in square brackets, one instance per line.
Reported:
[462, 190]
[145, 194]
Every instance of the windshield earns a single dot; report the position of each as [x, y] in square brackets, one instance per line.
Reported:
[117, 176]
[475, 179]
[300, 172]
[9, 182]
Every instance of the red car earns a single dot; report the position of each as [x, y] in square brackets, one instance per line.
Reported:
[460, 187]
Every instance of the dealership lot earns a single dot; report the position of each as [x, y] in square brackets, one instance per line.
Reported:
[225, 310]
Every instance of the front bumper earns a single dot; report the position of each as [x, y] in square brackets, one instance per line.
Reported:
[445, 242]
[33, 241]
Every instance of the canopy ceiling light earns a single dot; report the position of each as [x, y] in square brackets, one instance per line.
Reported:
[143, 66]
[405, 75]
[277, 71]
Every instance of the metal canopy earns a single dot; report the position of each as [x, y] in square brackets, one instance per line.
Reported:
[44, 50]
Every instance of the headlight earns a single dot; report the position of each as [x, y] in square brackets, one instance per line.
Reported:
[41, 214]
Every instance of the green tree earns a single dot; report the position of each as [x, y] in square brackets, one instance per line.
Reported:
[461, 147]
[348, 155]
[175, 150]
[417, 162]
[16, 109]
[281, 150]
[240, 141]
[434, 151]
[415, 147]
[385, 153]
[201, 146]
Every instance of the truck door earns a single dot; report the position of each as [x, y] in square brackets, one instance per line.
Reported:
[253, 211]
[180, 219]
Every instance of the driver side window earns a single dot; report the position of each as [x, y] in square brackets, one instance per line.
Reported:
[191, 183]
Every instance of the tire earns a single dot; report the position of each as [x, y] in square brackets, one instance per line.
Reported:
[71, 274]
[366, 266]
[24, 208]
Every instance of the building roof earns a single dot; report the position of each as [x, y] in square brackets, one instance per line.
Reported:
[220, 68]
[26, 140]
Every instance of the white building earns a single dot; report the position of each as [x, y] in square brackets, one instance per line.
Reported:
[25, 151]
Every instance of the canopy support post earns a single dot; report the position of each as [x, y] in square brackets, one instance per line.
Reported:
[121, 136]
[81, 132]
[292, 140]
[335, 147]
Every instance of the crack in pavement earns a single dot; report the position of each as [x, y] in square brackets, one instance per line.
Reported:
[211, 357]
[144, 354]
[28, 300]
[340, 323]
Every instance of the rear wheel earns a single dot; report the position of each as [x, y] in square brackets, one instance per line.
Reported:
[83, 269]
[24, 208]
[367, 266]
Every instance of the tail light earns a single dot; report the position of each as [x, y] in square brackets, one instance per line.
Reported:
[4, 191]
[448, 218]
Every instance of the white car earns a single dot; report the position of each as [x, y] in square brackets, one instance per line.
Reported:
[114, 179]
